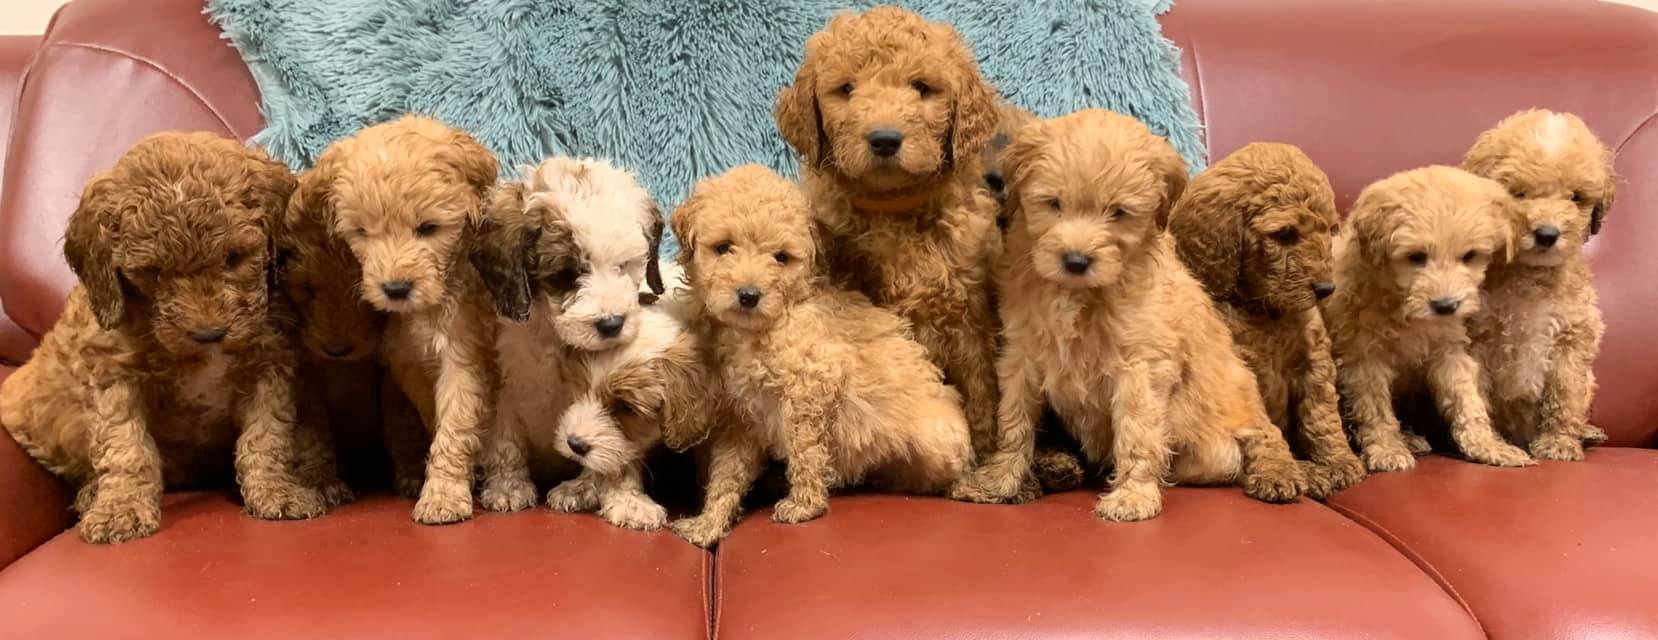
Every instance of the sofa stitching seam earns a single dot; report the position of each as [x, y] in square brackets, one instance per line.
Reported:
[1202, 103]
[710, 568]
[1651, 118]
[717, 611]
[187, 87]
[1421, 562]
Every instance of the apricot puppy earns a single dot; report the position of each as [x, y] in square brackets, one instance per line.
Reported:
[1102, 321]
[816, 376]
[1255, 230]
[1409, 265]
[1540, 330]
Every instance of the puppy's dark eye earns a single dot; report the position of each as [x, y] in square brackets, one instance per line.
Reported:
[722, 248]
[233, 259]
[426, 229]
[1470, 256]
[1418, 258]
[1287, 235]
[1115, 213]
[1578, 197]
[621, 408]
[783, 257]
[1517, 192]
[846, 89]
[1052, 203]
[922, 88]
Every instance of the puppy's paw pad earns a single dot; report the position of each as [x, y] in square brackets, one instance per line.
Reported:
[437, 508]
[283, 502]
[791, 511]
[635, 512]
[114, 523]
[572, 496]
[1500, 454]
[507, 495]
[698, 531]
[1128, 506]
[1380, 458]
[1417, 445]
[1282, 483]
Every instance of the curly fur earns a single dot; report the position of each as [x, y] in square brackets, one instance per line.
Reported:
[819, 377]
[1255, 230]
[1419, 236]
[408, 198]
[1540, 331]
[1128, 350]
[914, 231]
[1010, 119]
[172, 344]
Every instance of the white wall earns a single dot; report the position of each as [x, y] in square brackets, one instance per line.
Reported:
[26, 16]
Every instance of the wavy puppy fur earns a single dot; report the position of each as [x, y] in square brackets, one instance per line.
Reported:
[817, 376]
[408, 198]
[1104, 323]
[172, 344]
[1540, 331]
[1409, 265]
[890, 117]
[1255, 230]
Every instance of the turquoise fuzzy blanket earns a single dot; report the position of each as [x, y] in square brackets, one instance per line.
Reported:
[675, 90]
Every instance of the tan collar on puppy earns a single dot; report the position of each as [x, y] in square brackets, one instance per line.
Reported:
[891, 204]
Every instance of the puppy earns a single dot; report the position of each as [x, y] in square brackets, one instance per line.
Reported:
[564, 252]
[1103, 322]
[1009, 120]
[408, 197]
[1540, 331]
[340, 383]
[816, 376]
[1408, 269]
[1255, 230]
[890, 118]
[172, 342]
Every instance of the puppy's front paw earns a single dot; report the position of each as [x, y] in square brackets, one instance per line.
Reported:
[507, 495]
[1058, 471]
[283, 501]
[1555, 446]
[335, 493]
[573, 495]
[1129, 505]
[1418, 445]
[792, 511]
[113, 521]
[443, 504]
[1592, 435]
[701, 530]
[980, 485]
[408, 485]
[1498, 454]
[1325, 479]
[1276, 482]
[634, 511]
[1388, 456]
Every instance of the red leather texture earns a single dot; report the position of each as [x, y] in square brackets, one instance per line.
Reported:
[1561, 550]
[1215, 562]
[107, 74]
[364, 571]
[1371, 87]
[34, 506]
[15, 52]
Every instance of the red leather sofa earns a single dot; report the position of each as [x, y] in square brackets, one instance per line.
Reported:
[1367, 87]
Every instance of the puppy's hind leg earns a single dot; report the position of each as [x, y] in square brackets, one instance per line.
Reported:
[735, 461]
[1454, 377]
[405, 437]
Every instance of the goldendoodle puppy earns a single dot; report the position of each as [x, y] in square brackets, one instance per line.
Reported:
[172, 343]
[1540, 331]
[817, 376]
[565, 252]
[1255, 230]
[1408, 269]
[407, 197]
[1009, 120]
[1103, 322]
[890, 118]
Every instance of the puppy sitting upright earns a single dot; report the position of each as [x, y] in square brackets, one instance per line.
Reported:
[1255, 230]
[1408, 269]
[173, 340]
[1103, 322]
[408, 196]
[819, 377]
[890, 118]
[1540, 331]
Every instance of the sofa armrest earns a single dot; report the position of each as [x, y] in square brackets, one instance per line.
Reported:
[34, 504]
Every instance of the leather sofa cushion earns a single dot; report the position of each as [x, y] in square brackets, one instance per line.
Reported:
[363, 571]
[1215, 564]
[1560, 550]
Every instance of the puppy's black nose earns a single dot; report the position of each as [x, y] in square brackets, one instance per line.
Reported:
[749, 297]
[397, 289]
[994, 181]
[885, 142]
[1546, 235]
[1445, 306]
[209, 335]
[1323, 289]
[578, 446]
[337, 350]
[1076, 263]
[610, 326]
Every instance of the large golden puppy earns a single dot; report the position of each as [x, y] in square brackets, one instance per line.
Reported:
[1103, 321]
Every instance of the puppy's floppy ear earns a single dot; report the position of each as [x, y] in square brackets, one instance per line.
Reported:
[686, 410]
[1209, 234]
[89, 246]
[653, 261]
[797, 114]
[683, 221]
[270, 185]
[973, 114]
[1016, 164]
[500, 249]
[1369, 226]
[476, 165]
[1597, 216]
[1173, 168]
